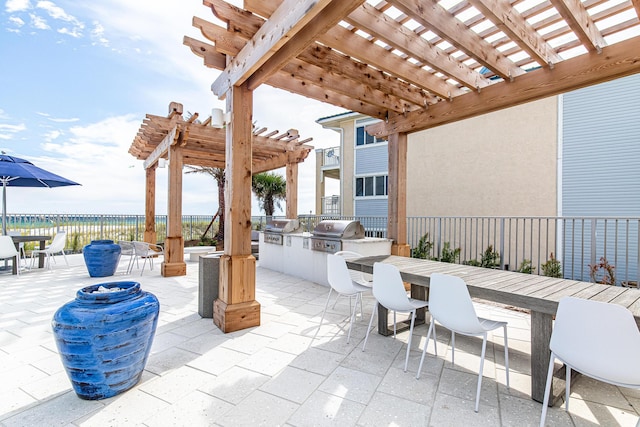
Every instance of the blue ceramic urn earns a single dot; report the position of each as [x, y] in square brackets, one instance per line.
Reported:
[101, 257]
[104, 337]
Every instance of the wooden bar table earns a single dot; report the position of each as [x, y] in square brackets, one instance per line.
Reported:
[538, 294]
[21, 239]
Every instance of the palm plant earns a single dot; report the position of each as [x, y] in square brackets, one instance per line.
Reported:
[269, 188]
[219, 176]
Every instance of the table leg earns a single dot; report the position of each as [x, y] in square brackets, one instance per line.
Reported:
[541, 326]
[383, 319]
[14, 267]
[417, 292]
[41, 255]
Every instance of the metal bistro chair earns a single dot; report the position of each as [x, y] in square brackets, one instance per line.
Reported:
[127, 249]
[597, 339]
[388, 290]
[450, 305]
[146, 251]
[57, 246]
[8, 250]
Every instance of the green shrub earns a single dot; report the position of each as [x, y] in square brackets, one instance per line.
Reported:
[552, 268]
[489, 259]
[449, 255]
[423, 249]
[526, 267]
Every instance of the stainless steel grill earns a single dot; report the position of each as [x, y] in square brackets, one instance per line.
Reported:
[329, 234]
[274, 230]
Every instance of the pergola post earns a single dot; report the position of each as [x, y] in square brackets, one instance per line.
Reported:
[292, 190]
[150, 205]
[397, 217]
[236, 307]
[173, 264]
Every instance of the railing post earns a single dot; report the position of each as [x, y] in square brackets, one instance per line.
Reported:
[101, 227]
[502, 243]
[594, 224]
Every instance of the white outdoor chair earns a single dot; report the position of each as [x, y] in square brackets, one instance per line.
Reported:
[127, 249]
[8, 250]
[23, 255]
[356, 276]
[450, 305]
[597, 339]
[341, 282]
[57, 246]
[145, 251]
[389, 291]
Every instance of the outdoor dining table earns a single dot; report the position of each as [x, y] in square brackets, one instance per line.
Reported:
[538, 294]
[21, 239]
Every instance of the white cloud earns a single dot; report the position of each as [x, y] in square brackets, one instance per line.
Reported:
[17, 5]
[58, 120]
[38, 22]
[52, 135]
[16, 21]
[8, 132]
[57, 12]
[97, 35]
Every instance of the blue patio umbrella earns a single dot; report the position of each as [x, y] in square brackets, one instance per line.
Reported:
[17, 172]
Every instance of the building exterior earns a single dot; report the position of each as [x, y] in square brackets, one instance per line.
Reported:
[574, 155]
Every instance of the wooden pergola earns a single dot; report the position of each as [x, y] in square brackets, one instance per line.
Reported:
[414, 64]
[192, 142]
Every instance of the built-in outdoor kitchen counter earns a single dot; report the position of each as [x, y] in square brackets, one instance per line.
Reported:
[285, 248]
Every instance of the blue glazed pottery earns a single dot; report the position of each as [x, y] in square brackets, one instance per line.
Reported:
[104, 337]
[101, 257]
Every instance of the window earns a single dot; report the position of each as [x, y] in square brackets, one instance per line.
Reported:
[363, 138]
[369, 186]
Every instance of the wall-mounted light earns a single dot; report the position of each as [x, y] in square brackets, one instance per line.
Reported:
[162, 162]
[219, 118]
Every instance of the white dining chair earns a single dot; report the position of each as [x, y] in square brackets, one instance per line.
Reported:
[389, 291]
[341, 282]
[8, 250]
[451, 306]
[356, 276]
[55, 247]
[600, 340]
[22, 261]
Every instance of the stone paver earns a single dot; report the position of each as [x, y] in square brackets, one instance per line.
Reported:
[285, 372]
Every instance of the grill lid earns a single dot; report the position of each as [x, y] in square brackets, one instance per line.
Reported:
[339, 229]
[282, 226]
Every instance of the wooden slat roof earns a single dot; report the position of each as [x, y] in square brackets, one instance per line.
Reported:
[203, 145]
[420, 63]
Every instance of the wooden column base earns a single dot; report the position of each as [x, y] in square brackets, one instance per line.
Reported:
[234, 317]
[400, 250]
[236, 307]
[171, 269]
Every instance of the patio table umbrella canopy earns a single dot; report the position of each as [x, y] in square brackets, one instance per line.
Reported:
[17, 172]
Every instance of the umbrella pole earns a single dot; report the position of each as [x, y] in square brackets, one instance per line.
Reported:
[4, 207]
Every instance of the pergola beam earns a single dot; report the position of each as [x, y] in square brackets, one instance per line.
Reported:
[376, 23]
[577, 17]
[162, 148]
[433, 16]
[291, 28]
[507, 19]
[618, 60]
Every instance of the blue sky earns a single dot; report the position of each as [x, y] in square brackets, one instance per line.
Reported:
[77, 81]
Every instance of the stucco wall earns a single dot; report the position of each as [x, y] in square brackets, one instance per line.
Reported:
[498, 164]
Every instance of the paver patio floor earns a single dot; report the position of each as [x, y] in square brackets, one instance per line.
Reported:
[275, 374]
